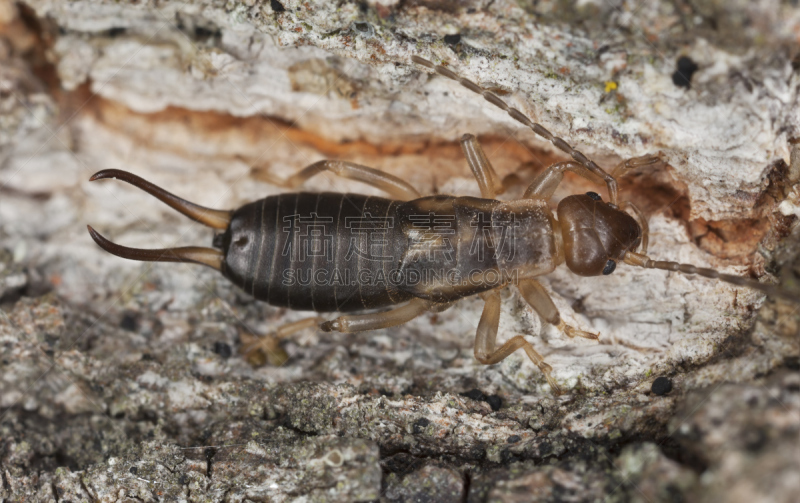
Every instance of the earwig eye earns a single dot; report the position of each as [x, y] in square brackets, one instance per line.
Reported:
[595, 196]
[609, 268]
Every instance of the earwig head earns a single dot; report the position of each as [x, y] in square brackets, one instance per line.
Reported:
[596, 234]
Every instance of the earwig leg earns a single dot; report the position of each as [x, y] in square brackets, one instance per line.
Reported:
[537, 297]
[392, 185]
[374, 321]
[622, 168]
[295, 326]
[486, 338]
[485, 174]
[545, 184]
[268, 344]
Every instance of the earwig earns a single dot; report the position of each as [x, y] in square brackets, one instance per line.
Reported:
[351, 253]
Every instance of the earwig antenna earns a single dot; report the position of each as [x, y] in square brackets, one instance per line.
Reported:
[216, 219]
[195, 254]
[515, 114]
[639, 260]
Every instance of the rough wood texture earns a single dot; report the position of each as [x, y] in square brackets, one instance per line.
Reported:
[127, 375]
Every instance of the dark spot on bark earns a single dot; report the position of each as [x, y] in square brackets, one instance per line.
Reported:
[792, 363]
[685, 68]
[545, 448]
[223, 349]
[362, 27]
[474, 394]
[476, 452]
[134, 470]
[420, 425]
[507, 456]
[661, 386]
[277, 6]
[513, 439]
[202, 33]
[452, 39]
[129, 322]
[116, 32]
[495, 402]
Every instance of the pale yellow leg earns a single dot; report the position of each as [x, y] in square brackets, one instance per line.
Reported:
[633, 163]
[374, 321]
[537, 297]
[485, 174]
[267, 346]
[546, 183]
[390, 184]
[486, 338]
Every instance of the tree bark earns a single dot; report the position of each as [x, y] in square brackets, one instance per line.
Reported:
[123, 379]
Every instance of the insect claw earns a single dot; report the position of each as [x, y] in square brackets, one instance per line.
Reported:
[553, 386]
[206, 256]
[574, 332]
[216, 219]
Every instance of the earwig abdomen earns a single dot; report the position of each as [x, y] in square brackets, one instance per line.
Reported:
[316, 251]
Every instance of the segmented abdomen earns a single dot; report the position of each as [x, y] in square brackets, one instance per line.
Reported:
[317, 251]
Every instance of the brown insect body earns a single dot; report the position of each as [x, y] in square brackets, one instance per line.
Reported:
[350, 252]
[438, 248]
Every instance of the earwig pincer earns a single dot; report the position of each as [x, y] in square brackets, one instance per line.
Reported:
[344, 252]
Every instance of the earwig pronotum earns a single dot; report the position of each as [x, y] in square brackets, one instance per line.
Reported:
[319, 251]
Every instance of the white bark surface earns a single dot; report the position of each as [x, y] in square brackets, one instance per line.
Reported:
[211, 100]
[720, 139]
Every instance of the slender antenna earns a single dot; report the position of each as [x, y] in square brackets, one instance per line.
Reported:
[195, 254]
[216, 219]
[515, 114]
[637, 259]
